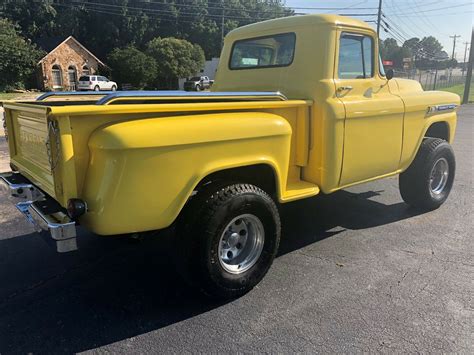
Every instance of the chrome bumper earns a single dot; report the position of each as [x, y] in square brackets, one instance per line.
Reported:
[40, 210]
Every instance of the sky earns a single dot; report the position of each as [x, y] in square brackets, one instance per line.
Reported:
[407, 18]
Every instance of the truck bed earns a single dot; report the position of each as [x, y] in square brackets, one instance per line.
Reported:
[49, 137]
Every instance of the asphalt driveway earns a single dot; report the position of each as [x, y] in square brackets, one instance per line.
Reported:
[358, 271]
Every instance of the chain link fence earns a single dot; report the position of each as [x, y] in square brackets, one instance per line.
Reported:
[446, 79]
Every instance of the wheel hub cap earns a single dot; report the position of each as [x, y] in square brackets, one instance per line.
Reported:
[241, 243]
[439, 176]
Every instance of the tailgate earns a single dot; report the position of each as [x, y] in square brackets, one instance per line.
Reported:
[29, 144]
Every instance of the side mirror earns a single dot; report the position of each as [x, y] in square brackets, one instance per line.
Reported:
[389, 74]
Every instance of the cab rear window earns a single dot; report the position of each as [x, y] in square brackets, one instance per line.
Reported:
[263, 52]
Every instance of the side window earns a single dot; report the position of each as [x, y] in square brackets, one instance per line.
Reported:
[355, 57]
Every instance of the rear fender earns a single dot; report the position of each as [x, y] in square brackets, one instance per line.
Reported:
[142, 172]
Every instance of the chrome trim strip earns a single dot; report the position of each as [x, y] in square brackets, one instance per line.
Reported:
[114, 95]
[72, 93]
[441, 108]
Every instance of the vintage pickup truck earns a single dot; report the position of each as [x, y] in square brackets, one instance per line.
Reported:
[300, 106]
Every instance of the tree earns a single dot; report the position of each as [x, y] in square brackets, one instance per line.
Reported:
[104, 25]
[389, 47]
[34, 18]
[18, 57]
[175, 58]
[131, 66]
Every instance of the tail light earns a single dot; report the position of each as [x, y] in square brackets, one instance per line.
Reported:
[76, 208]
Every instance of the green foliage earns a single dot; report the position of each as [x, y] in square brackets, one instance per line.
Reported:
[131, 66]
[175, 58]
[388, 48]
[428, 53]
[104, 25]
[17, 57]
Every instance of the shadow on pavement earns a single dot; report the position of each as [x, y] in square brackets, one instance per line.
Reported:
[111, 289]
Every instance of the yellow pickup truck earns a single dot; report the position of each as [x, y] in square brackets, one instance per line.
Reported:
[300, 106]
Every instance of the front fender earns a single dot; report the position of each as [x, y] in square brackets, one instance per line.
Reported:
[142, 172]
[418, 119]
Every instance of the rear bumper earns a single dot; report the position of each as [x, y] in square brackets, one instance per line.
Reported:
[42, 211]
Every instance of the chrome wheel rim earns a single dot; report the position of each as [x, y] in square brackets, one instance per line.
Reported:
[241, 243]
[439, 176]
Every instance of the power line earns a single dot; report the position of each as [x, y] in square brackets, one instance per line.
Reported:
[437, 9]
[409, 25]
[99, 7]
[426, 19]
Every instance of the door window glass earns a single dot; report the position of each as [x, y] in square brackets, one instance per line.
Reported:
[355, 57]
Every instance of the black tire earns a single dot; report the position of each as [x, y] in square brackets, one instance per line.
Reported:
[416, 185]
[114, 88]
[202, 227]
[97, 88]
[198, 87]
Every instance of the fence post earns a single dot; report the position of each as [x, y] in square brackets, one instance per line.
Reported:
[436, 77]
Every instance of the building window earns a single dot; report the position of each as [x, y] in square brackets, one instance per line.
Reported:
[86, 70]
[57, 77]
[72, 76]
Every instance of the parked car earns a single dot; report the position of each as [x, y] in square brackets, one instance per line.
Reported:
[96, 83]
[197, 83]
[282, 123]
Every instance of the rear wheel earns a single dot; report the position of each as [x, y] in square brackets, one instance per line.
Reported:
[428, 181]
[97, 88]
[228, 239]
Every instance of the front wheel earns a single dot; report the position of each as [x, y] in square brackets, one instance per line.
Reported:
[198, 87]
[114, 88]
[229, 240]
[427, 183]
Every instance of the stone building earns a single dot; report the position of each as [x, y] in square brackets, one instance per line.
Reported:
[66, 61]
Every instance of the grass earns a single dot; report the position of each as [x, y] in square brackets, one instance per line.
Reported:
[459, 89]
[16, 96]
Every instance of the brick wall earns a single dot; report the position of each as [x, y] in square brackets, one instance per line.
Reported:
[68, 55]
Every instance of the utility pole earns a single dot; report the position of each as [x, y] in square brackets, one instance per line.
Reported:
[454, 44]
[464, 62]
[467, 85]
[379, 18]
[222, 25]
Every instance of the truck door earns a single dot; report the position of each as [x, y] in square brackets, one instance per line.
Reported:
[374, 116]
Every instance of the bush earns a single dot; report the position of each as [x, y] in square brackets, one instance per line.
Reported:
[18, 57]
[175, 58]
[131, 66]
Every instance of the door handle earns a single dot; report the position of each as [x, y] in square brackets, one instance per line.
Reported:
[344, 88]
